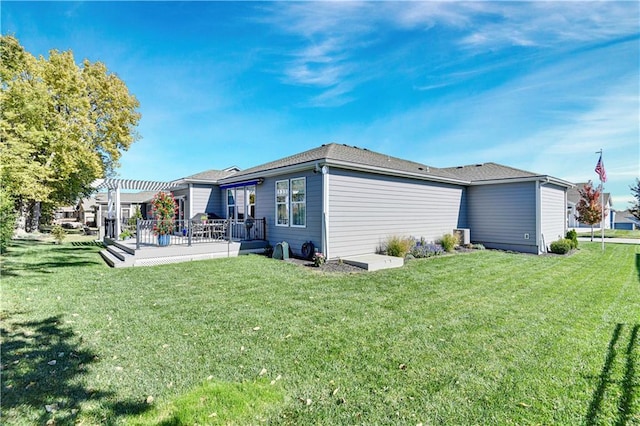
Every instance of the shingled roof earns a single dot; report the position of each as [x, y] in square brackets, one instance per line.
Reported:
[212, 175]
[337, 154]
[488, 171]
[573, 196]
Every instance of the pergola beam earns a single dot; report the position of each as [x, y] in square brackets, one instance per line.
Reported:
[114, 185]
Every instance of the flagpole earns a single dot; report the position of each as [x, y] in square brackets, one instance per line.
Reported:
[601, 203]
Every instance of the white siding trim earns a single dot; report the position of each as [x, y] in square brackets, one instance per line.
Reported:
[539, 238]
[189, 214]
[325, 211]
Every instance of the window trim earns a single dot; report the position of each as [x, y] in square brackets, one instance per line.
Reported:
[304, 202]
[285, 203]
[289, 203]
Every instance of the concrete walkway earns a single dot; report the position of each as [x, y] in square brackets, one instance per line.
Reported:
[597, 239]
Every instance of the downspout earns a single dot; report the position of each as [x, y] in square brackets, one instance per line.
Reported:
[325, 211]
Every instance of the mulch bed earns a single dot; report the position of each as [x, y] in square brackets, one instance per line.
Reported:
[333, 266]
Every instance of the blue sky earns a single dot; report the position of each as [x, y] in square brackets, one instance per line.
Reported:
[539, 86]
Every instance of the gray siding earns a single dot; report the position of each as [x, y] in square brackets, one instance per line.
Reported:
[207, 199]
[552, 213]
[365, 209]
[500, 215]
[294, 236]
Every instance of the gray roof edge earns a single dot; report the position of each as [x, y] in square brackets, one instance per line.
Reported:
[539, 178]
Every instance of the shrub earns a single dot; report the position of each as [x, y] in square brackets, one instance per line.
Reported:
[7, 220]
[319, 259]
[572, 236]
[58, 233]
[137, 214]
[126, 234]
[449, 242]
[421, 249]
[398, 246]
[477, 246]
[561, 246]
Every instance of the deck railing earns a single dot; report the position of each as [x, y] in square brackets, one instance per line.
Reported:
[189, 232]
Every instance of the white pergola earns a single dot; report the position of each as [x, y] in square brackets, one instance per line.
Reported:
[114, 185]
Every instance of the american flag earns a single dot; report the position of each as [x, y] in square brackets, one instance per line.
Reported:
[600, 170]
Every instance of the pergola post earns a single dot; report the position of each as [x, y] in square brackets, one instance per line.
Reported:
[114, 186]
[118, 211]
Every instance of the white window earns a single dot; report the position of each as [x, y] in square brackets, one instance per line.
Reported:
[251, 201]
[291, 202]
[282, 203]
[299, 202]
[231, 204]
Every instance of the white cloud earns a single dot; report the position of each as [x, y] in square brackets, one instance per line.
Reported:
[332, 35]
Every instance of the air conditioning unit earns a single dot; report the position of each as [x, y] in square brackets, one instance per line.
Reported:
[464, 235]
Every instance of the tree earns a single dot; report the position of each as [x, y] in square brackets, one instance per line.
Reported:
[635, 190]
[7, 220]
[62, 126]
[589, 206]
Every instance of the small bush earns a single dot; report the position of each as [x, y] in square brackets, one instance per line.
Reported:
[478, 246]
[572, 236]
[319, 259]
[421, 249]
[398, 246]
[126, 234]
[58, 233]
[449, 242]
[561, 246]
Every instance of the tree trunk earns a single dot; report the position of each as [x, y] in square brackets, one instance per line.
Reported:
[23, 213]
[591, 233]
[35, 216]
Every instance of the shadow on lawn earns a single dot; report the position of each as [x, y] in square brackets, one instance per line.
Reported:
[42, 369]
[626, 384]
[20, 260]
[638, 264]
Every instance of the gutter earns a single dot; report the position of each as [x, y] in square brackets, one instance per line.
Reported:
[543, 179]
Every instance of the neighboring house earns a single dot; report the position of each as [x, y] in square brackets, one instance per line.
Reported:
[128, 203]
[573, 197]
[623, 219]
[347, 201]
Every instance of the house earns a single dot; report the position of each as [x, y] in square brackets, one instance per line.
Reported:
[573, 197]
[129, 202]
[347, 201]
[623, 219]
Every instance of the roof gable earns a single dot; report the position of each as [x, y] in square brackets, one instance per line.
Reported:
[212, 175]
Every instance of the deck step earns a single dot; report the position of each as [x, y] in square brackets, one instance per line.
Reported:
[112, 260]
[116, 251]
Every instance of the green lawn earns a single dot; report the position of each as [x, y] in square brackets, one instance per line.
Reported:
[612, 233]
[487, 338]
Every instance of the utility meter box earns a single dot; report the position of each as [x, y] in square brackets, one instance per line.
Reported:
[464, 235]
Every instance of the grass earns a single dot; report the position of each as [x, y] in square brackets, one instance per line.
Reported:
[487, 337]
[613, 233]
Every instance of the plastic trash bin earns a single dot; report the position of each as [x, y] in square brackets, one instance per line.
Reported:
[281, 251]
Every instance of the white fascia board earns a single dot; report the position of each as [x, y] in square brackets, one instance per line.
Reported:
[269, 173]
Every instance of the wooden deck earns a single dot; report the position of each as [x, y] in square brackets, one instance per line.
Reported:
[120, 254]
